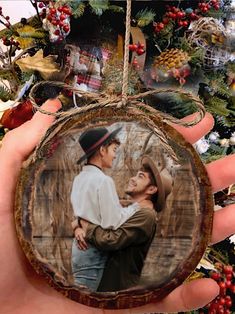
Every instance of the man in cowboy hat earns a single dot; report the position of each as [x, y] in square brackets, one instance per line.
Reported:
[129, 244]
[94, 198]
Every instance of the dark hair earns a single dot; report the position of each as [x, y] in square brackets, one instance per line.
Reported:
[146, 168]
[106, 145]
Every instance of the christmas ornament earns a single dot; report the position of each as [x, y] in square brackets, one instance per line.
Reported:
[209, 34]
[43, 208]
[171, 63]
[57, 21]
[159, 149]
[57, 156]
[12, 118]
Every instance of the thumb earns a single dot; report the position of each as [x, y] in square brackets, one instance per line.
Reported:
[16, 146]
[20, 142]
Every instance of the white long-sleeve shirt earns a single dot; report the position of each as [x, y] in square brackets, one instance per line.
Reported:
[94, 198]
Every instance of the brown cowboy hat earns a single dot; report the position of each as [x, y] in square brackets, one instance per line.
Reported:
[163, 181]
[91, 140]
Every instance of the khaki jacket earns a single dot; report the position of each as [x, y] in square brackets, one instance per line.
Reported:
[128, 247]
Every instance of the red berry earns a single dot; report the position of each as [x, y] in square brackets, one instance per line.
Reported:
[67, 11]
[222, 301]
[49, 17]
[161, 25]
[66, 28]
[132, 47]
[222, 285]
[185, 23]
[228, 303]
[41, 5]
[180, 15]
[53, 11]
[54, 22]
[227, 311]
[140, 51]
[135, 62]
[57, 32]
[165, 20]
[61, 23]
[228, 269]
[232, 288]
[228, 283]
[215, 275]
[228, 298]
[156, 29]
[62, 17]
[180, 23]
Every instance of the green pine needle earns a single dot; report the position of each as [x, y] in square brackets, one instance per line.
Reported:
[217, 106]
[99, 6]
[78, 9]
[5, 93]
[116, 8]
[145, 17]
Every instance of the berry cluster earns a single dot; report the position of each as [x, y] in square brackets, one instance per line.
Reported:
[57, 22]
[225, 277]
[182, 18]
[179, 16]
[10, 42]
[206, 6]
[5, 20]
[138, 48]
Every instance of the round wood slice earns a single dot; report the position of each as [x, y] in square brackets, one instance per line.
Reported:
[44, 212]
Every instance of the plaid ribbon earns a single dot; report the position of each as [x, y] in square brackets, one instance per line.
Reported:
[92, 79]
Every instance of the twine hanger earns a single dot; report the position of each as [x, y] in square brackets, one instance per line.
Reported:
[119, 101]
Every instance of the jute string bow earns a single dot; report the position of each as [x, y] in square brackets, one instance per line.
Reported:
[119, 101]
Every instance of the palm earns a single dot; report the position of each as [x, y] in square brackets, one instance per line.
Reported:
[22, 291]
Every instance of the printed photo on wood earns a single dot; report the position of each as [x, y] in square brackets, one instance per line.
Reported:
[113, 204]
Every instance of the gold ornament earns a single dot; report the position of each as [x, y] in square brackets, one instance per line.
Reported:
[171, 58]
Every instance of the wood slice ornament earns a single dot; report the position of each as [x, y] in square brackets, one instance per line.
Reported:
[148, 254]
[44, 211]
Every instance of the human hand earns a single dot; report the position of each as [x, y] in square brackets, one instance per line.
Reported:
[74, 224]
[80, 235]
[23, 291]
[84, 223]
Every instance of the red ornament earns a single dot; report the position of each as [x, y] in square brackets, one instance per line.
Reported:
[12, 118]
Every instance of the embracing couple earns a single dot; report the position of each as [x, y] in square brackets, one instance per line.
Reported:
[112, 241]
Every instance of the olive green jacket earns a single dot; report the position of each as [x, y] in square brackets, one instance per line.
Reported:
[127, 246]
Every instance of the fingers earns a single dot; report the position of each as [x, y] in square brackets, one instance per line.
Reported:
[189, 296]
[82, 245]
[30, 132]
[222, 172]
[16, 146]
[223, 223]
[80, 236]
[194, 133]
